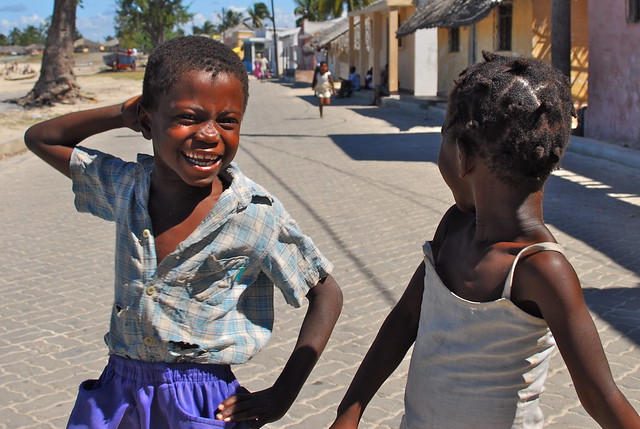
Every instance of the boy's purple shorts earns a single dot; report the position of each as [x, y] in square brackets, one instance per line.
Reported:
[134, 394]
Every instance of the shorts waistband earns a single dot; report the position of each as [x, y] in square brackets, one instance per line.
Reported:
[160, 372]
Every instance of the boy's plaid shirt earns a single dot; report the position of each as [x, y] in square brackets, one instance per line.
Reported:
[211, 300]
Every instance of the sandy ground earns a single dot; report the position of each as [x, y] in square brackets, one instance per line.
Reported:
[95, 80]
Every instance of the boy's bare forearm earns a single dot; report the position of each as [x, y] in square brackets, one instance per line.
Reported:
[54, 140]
[325, 305]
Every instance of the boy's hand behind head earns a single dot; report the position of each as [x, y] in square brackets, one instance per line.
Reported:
[130, 113]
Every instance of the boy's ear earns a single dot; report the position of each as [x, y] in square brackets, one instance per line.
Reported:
[466, 157]
[144, 119]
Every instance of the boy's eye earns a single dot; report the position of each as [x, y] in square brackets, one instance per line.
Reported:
[228, 121]
[186, 117]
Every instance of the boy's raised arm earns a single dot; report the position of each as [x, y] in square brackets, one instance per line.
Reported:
[397, 334]
[325, 304]
[54, 140]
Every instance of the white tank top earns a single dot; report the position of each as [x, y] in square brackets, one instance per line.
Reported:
[476, 364]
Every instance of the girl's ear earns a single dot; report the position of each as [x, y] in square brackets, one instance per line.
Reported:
[466, 157]
[144, 119]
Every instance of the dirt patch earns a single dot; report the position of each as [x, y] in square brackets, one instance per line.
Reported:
[95, 79]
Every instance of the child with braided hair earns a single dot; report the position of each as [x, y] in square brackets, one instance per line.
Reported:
[494, 293]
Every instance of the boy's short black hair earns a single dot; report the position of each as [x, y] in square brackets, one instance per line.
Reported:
[515, 113]
[170, 60]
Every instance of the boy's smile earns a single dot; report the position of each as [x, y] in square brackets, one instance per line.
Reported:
[195, 127]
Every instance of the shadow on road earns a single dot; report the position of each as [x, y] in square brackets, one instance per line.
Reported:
[394, 117]
[617, 306]
[389, 147]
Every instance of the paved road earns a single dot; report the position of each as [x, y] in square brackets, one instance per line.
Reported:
[363, 182]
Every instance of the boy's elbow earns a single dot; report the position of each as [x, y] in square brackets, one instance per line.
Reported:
[30, 139]
[327, 293]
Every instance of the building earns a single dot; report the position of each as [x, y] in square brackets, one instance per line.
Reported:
[509, 27]
[412, 60]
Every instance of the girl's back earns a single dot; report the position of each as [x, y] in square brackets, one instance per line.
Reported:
[476, 364]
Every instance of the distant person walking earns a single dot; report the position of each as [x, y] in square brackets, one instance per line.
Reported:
[257, 67]
[264, 67]
[323, 85]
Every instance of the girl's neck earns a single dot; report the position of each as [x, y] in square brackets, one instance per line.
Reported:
[510, 219]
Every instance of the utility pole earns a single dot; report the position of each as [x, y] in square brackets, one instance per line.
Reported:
[275, 38]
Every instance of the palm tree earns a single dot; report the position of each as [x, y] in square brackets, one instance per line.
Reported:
[229, 18]
[257, 12]
[309, 10]
[207, 28]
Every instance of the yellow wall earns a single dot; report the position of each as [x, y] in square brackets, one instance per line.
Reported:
[541, 28]
[579, 52]
[406, 63]
[450, 64]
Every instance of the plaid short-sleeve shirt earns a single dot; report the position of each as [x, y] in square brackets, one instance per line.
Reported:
[210, 300]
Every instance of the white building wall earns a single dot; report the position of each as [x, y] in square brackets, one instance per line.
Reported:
[426, 62]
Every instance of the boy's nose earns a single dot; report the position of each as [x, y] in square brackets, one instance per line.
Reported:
[208, 132]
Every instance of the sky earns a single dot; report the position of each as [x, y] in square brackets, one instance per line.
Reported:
[95, 18]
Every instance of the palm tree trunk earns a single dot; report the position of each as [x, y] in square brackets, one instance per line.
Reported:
[57, 82]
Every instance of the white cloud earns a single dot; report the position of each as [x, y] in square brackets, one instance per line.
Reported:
[7, 25]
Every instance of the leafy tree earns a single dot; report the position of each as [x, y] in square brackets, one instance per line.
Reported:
[28, 36]
[258, 12]
[153, 21]
[4, 40]
[57, 83]
[334, 8]
[229, 18]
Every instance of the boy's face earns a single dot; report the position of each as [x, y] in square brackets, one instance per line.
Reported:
[195, 127]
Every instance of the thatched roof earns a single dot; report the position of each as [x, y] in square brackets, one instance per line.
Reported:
[446, 14]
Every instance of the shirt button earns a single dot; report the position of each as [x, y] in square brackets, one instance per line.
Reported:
[151, 290]
[146, 233]
[148, 341]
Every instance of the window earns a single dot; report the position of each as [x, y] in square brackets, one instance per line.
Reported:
[503, 28]
[454, 39]
[634, 11]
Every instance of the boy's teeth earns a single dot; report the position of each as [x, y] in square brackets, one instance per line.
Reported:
[202, 159]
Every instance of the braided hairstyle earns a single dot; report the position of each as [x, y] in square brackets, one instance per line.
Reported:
[172, 59]
[515, 113]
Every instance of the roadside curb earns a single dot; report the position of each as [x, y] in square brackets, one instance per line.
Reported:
[603, 150]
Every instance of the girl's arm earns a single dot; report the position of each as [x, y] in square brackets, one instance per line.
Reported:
[554, 286]
[54, 140]
[325, 304]
[397, 334]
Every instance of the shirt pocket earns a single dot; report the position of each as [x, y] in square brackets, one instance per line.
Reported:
[213, 280]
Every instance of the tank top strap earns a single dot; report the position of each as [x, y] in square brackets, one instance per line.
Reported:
[533, 248]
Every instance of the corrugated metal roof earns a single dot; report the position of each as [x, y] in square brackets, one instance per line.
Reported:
[446, 14]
